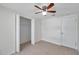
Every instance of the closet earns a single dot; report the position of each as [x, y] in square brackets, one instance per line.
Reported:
[25, 30]
[60, 30]
[69, 31]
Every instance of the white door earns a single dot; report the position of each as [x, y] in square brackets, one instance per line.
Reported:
[69, 33]
[25, 30]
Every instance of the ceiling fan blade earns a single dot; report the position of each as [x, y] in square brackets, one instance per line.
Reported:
[37, 7]
[38, 12]
[50, 5]
[51, 11]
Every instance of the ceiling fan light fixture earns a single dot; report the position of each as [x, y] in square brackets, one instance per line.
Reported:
[44, 13]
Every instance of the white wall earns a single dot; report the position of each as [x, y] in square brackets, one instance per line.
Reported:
[37, 30]
[7, 31]
[50, 29]
[25, 30]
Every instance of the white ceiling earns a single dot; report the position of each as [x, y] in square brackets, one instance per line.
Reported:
[28, 9]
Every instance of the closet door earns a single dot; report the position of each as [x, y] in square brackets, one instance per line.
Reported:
[69, 33]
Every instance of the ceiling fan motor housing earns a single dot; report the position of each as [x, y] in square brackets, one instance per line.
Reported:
[44, 8]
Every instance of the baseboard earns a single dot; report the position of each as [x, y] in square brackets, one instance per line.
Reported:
[25, 42]
[13, 52]
[56, 43]
[37, 41]
[8, 53]
[51, 42]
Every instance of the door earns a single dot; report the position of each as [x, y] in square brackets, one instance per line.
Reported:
[69, 33]
[25, 30]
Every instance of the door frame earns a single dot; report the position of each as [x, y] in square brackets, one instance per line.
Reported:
[17, 32]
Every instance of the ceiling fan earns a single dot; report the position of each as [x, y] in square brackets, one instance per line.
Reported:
[44, 9]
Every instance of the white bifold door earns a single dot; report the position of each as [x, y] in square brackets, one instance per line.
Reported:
[69, 32]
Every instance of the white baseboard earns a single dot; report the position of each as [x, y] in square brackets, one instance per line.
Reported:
[51, 41]
[37, 41]
[12, 53]
[8, 53]
[25, 42]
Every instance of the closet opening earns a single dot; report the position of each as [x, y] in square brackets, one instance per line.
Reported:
[25, 32]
